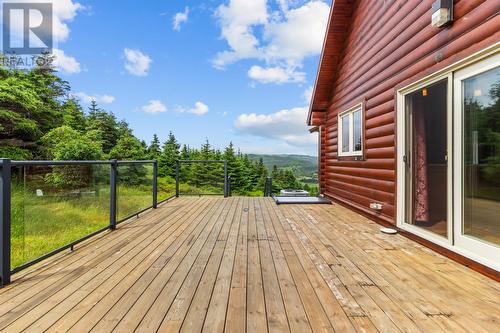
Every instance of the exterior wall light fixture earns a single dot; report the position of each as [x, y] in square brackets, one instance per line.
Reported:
[442, 13]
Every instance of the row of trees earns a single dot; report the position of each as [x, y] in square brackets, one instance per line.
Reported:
[40, 119]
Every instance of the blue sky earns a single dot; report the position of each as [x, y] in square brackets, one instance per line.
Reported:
[226, 70]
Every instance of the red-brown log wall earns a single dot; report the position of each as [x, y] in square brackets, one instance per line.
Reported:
[391, 44]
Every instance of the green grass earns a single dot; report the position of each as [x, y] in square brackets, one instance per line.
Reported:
[43, 224]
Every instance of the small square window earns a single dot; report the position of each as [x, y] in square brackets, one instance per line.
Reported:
[351, 132]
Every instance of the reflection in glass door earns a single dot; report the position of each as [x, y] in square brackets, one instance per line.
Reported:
[477, 160]
[481, 160]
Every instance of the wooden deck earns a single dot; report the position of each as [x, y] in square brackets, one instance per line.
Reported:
[245, 264]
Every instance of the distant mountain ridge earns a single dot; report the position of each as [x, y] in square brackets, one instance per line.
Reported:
[301, 165]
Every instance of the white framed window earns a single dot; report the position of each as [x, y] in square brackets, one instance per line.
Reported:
[350, 137]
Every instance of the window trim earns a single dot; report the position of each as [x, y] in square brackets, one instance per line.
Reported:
[350, 112]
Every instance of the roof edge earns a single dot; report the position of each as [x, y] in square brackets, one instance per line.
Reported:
[333, 44]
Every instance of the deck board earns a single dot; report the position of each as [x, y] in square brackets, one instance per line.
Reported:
[246, 264]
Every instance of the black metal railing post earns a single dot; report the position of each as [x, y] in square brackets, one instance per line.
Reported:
[113, 191]
[155, 184]
[226, 189]
[5, 201]
[268, 187]
[265, 188]
[177, 167]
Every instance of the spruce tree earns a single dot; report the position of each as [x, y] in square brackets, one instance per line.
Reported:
[154, 149]
[106, 125]
[168, 157]
[261, 173]
[73, 115]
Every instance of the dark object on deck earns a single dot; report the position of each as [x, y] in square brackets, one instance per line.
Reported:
[301, 200]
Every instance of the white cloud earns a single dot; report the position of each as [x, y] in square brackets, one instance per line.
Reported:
[277, 75]
[179, 19]
[286, 125]
[65, 63]
[299, 35]
[101, 99]
[199, 109]
[286, 36]
[154, 106]
[64, 11]
[237, 20]
[137, 63]
[307, 96]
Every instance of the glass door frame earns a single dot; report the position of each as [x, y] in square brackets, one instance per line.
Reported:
[488, 54]
[481, 251]
[404, 189]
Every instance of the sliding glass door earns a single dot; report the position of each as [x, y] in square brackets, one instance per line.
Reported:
[477, 163]
[449, 160]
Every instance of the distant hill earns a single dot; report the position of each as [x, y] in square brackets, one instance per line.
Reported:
[301, 165]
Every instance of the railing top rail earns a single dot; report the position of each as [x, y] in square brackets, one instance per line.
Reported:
[137, 162]
[201, 161]
[100, 162]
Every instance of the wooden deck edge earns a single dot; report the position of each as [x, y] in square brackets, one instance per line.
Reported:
[474, 265]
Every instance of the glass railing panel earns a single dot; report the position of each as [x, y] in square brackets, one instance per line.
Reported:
[166, 188]
[134, 188]
[201, 179]
[53, 206]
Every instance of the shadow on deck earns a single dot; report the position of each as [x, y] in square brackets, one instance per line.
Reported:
[246, 264]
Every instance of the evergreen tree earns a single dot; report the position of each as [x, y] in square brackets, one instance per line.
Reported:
[30, 105]
[93, 108]
[203, 173]
[261, 173]
[73, 115]
[168, 157]
[154, 149]
[232, 166]
[124, 129]
[185, 153]
[130, 148]
[105, 124]
[66, 143]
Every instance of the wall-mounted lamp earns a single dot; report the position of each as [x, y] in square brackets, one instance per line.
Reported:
[442, 13]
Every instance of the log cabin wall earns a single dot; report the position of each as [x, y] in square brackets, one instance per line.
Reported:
[388, 45]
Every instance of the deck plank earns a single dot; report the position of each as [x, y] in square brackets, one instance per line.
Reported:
[215, 316]
[189, 307]
[247, 265]
[43, 298]
[236, 320]
[94, 307]
[149, 310]
[256, 307]
[109, 287]
[275, 308]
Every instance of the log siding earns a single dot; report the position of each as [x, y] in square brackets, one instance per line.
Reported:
[386, 46]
